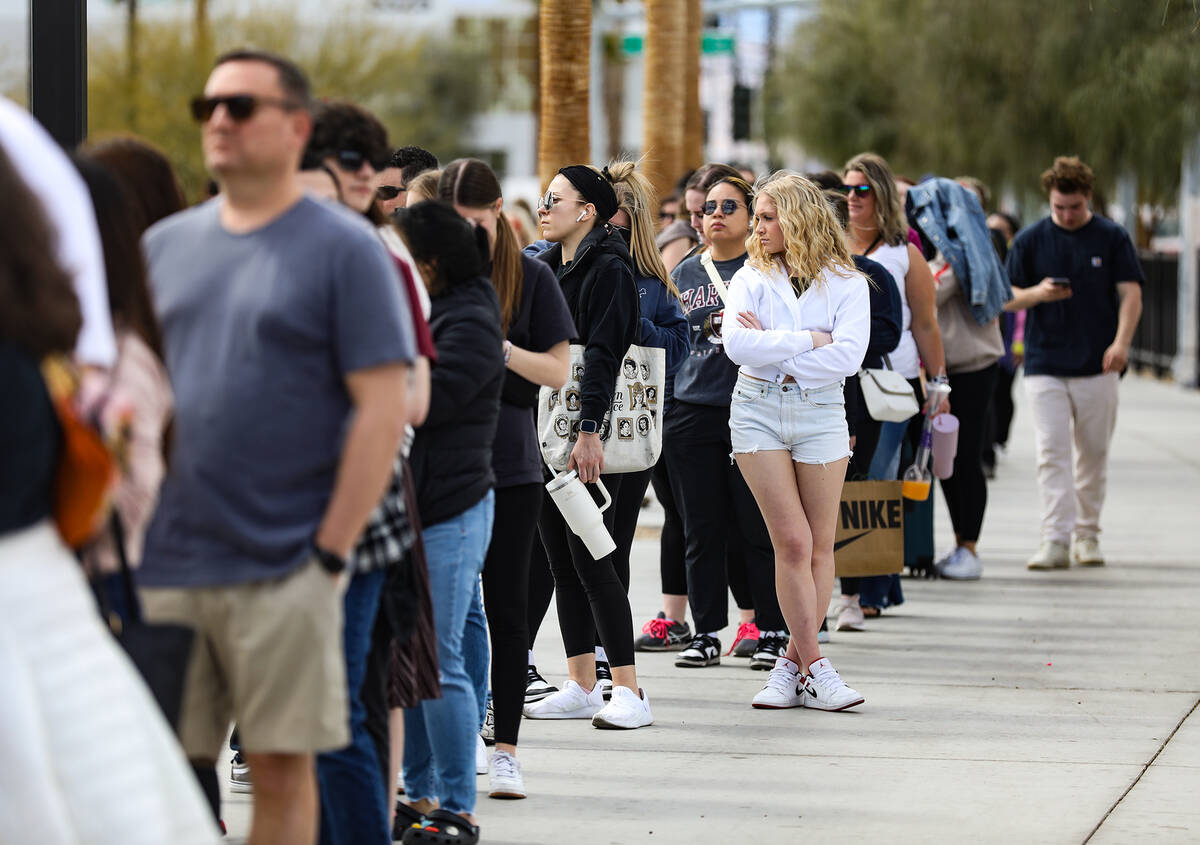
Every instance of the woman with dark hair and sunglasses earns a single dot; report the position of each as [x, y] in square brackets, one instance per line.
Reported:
[726, 541]
[350, 144]
[594, 268]
[879, 230]
[452, 471]
[538, 328]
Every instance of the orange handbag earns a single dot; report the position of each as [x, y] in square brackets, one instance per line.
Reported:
[86, 470]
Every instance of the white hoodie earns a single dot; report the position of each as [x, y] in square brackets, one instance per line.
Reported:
[839, 305]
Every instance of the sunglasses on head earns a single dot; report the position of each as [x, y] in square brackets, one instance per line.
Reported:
[390, 192]
[727, 207]
[856, 190]
[239, 107]
[352, 160]
[549, 201]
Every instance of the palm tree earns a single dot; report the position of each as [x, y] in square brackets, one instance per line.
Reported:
[663, 95]
[564, 43]
[693, 118]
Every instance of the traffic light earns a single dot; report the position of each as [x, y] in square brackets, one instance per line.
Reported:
[741, 112]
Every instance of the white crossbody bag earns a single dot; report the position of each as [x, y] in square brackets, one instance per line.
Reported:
[888, 394]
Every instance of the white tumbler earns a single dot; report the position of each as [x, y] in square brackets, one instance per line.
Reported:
[582, 514]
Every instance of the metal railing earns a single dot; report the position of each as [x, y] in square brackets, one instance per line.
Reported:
[1156, 340]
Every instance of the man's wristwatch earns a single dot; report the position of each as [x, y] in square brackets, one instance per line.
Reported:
[331, 562]
[588, 426]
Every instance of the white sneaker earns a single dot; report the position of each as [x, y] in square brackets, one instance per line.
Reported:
[851, 618]
[1051, 555]
[504, 776]
[488, 731]
[570, 702]
[481, 760]
[782, 689]
[824, 688]
[1085, 551]
[965, 566]
[626, 710]
[948, 559]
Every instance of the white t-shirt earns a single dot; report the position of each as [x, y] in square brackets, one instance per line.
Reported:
[904, 357]
[45, 168]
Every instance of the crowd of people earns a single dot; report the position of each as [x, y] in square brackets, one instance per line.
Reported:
[319, 392]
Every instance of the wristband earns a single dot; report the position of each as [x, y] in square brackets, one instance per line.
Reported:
[507, 351]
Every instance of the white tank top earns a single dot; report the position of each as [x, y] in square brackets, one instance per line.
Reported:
[904, 357]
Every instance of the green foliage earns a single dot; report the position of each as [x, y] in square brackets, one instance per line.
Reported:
[997, 89]
[424, 90]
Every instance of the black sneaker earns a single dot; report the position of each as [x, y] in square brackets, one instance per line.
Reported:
[703, 650]
[537, 687]
[604, 678]
[771, 646]
[663, 634]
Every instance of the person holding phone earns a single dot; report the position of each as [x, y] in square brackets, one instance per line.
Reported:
[1078, 278]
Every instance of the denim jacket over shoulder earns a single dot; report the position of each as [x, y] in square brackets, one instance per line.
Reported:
[949, 215]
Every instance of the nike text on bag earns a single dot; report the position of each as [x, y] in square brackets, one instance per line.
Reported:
[888, 394]
[631, 431]
[870, 530]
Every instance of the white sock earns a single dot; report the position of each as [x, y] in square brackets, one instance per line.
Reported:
[713, 635]
[793, 667]
[601, 657]
[531, 663]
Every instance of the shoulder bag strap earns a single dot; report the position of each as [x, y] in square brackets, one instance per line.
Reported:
[706, 260]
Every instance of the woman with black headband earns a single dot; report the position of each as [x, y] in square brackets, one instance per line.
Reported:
[593, 266]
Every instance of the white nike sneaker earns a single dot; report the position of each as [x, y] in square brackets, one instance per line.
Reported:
[824, 688]
[570, 702]
[782, 689]
[504, 777]
[626, 710]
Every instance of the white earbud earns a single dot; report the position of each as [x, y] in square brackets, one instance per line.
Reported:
[582, 215]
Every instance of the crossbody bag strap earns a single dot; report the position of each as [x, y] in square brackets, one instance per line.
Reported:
[887, 362]
[706, 260]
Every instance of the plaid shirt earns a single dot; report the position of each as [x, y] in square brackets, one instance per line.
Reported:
[389, 534]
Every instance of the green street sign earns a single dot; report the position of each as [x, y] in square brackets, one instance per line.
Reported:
[711, 44]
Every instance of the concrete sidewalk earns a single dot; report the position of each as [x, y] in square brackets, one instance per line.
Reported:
[1026, 707]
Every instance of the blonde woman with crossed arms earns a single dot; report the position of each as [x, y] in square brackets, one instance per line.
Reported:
[798, 319]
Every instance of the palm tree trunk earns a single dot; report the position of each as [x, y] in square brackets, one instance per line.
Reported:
[564, 41]
[693, 118]
[664, 95]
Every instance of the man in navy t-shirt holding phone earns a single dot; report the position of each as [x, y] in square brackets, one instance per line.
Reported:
[1079, 278]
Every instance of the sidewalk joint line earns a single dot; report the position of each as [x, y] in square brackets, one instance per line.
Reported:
[1142, 773]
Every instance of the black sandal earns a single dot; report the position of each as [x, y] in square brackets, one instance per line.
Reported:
[444, 828]
[406, 817]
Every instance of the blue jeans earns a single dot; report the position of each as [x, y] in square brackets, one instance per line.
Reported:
[354, 801]
[439, 735]
[476, 651]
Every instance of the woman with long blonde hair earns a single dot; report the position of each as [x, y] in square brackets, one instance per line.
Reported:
[798, 322]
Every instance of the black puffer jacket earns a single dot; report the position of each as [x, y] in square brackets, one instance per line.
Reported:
[452, 453]
[603, 299]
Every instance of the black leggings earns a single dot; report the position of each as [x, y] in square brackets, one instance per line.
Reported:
[671, 567]
[628, 505]
[966, 490]
[505, 600]
[590, 596]
[722, 522]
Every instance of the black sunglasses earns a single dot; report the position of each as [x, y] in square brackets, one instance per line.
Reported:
[549, 201]
[390, 192]
[238, 106]
[727, 207]
[856, 190]
[352, 160]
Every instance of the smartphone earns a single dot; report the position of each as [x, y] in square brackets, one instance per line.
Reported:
[1061, 281]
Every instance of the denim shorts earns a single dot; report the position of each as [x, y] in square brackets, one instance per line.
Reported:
[810, 423]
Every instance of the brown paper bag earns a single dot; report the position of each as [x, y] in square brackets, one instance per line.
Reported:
[870, 531]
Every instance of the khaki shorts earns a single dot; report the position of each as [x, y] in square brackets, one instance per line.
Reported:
[268, 656]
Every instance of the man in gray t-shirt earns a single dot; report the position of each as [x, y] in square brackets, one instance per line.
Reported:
[287, 341]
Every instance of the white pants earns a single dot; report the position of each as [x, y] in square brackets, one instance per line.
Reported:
[1083, 409]
[87, 756]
